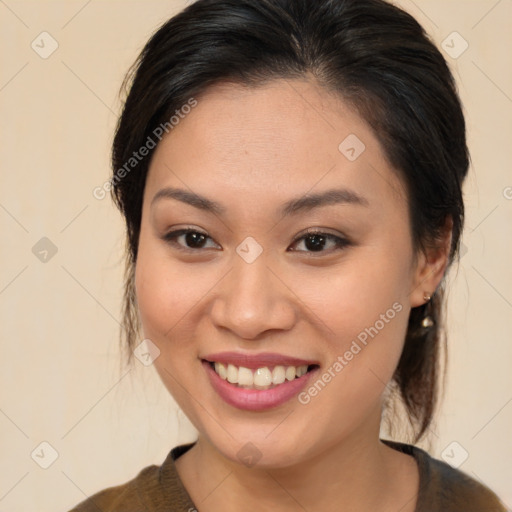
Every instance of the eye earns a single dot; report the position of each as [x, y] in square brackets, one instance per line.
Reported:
[319, 241]
[190, 239]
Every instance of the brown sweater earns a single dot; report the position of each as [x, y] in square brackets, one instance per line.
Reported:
[159, 489]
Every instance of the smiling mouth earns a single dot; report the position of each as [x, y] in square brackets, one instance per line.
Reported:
[263, 378]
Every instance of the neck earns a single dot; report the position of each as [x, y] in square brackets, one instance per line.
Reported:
[359, 473]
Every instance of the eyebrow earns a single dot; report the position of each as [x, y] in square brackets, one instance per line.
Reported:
[292, 207]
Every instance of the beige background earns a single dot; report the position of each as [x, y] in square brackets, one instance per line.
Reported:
[60, 377]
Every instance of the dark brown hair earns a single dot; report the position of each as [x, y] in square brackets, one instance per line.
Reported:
[377, 58]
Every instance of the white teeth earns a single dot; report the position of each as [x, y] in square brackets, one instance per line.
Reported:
[221, 370]
[245, 377]
[301, 370]
[278, 375]
[290, 373]
[232, 374]
[261, 378]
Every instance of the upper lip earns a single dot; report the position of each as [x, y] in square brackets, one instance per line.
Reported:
[260, 360]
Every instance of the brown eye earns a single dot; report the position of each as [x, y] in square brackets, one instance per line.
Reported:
[315, 242]
[189, 239]
[319, 242]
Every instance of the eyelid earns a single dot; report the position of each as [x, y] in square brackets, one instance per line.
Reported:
[318, 231]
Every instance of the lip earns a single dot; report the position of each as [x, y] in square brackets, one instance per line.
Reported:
[256, 399]
[253, 361]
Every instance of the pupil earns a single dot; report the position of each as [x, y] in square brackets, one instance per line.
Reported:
[315, 242]
[195, 239]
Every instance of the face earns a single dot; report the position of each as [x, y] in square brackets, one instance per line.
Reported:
[272, 250]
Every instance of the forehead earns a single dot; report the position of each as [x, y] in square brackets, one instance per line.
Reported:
[265, 143]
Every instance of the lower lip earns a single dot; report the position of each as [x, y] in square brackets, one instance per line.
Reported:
[256, 399]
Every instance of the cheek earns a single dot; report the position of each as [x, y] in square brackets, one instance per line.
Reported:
[167, 298]
[166, 293]
[366, 318]
[363, 306]
[354, 296]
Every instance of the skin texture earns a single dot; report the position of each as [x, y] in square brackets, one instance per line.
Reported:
[251, 150]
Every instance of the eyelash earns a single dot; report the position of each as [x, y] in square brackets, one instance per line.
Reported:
[340, 242]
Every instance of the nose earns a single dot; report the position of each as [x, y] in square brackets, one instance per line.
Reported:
[252, 301]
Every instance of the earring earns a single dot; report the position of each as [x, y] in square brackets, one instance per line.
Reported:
[427, 321]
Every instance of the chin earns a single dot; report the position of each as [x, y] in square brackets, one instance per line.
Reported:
[266, 447]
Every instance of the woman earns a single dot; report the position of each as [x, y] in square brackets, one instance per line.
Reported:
[290, 174]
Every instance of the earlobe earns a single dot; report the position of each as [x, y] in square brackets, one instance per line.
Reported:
[431, 267]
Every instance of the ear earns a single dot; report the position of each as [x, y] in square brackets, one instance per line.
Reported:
[431, 265]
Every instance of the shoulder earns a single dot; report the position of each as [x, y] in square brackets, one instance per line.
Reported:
[124, 497]
[447, 489]
[458, 490]
[154, 488]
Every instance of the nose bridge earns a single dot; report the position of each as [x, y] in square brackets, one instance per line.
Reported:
[252, 300]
